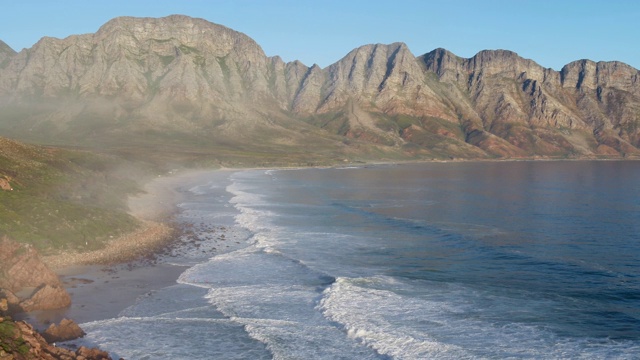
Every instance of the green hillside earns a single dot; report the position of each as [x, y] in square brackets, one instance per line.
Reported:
[63, 198]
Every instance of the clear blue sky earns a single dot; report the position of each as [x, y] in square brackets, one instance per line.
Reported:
[551, 32]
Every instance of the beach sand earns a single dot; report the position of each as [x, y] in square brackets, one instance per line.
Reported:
[104, 282]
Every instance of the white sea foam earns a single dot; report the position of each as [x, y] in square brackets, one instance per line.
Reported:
[254, 220]
[258, 221]
[296, 340]
[274, 302]
[276, 289]
[131, 338]
[449, 323]
[275, 299]
[378, 318]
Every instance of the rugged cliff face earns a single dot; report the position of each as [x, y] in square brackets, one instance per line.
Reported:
[586, 108]
[145, 68]
[207, 86]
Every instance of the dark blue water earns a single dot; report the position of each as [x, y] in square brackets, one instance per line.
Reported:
[441, 260]
[563, 232]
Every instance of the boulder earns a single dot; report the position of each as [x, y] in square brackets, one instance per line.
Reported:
[46, 297]
[21, 266]
[92, 353]
[66, 330]
[4, 184]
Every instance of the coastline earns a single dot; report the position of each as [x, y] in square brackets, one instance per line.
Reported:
[155, 206]
[102, 283]
[119, 283]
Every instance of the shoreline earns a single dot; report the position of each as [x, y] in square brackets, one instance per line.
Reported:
[102, 283]
[154, 207]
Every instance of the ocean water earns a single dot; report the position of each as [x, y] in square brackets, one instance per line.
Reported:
[495, 260]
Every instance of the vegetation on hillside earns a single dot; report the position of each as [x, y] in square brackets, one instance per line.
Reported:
[63, 198]
[10, 340]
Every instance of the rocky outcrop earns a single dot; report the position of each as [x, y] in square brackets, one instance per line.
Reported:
[5, 184]
[21, 267]
[66, 330]
[179, 75]
[19, 341]
[46, 297]
[542, 111]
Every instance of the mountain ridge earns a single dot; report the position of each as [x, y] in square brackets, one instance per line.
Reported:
[216, 87]
[6, 52]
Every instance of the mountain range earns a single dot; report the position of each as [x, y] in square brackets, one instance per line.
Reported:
[181, 84]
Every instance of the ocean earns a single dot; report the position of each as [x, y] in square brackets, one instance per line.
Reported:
[472, 260]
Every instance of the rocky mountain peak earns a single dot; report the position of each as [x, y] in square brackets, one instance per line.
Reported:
[178, 30]
[191, 76]
[369, 67]
[369, 74]
[5, 53]
[445, 64]
[144, 64]
[450, 67]
[587, 74]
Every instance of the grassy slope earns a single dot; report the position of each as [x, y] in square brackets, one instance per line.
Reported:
[75, 199]
[62, 198]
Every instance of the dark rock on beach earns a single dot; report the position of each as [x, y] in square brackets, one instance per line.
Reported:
[21, 269]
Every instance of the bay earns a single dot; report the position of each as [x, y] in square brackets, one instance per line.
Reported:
[435, 260]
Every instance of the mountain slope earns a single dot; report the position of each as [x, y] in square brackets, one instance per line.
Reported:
[177, 82]
[186, 85]
[543, 111]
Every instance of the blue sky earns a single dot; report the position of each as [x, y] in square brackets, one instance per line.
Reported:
[553, 33]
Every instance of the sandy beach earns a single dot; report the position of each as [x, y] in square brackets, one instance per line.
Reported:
[104, 282]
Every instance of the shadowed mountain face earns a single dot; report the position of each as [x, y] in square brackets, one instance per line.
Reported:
[189, 84]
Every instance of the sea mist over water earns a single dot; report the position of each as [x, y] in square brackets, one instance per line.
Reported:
[446, 261]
